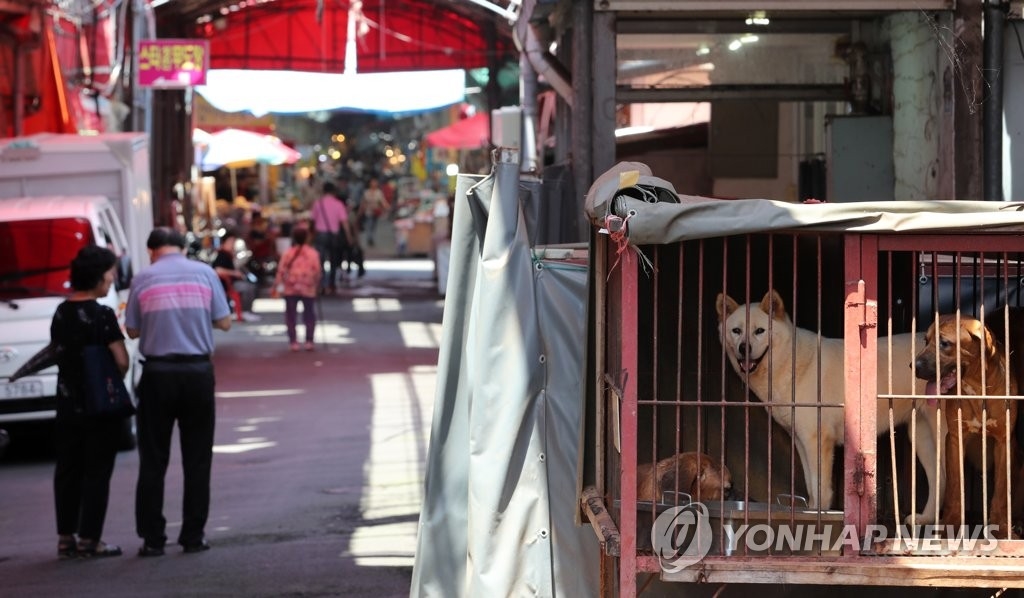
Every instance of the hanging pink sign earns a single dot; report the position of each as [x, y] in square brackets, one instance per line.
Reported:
[173, 63]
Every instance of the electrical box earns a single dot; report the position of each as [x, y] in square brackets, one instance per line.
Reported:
[506, 123]
[860, 163]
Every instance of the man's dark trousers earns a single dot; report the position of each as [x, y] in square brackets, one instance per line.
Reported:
[169, 393]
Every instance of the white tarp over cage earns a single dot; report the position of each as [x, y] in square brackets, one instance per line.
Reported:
[653, 213]
[500, 508]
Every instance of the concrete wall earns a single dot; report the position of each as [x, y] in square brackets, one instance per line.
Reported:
[914, 42]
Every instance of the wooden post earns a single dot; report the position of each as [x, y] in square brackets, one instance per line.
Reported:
[969, 95]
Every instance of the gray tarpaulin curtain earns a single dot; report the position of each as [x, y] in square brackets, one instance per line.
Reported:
[500, 502]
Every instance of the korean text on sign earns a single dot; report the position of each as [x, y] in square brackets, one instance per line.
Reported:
[172, 63]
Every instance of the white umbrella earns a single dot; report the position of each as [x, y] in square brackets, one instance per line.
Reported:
[236, 148]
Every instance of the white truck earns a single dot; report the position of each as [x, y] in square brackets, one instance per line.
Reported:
[57, 194]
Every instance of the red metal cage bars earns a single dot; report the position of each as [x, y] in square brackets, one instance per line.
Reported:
[860, 331]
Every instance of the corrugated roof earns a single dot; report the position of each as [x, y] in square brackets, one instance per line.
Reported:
[307, 35]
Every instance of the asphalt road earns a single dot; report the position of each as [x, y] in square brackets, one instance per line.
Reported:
[318, 467]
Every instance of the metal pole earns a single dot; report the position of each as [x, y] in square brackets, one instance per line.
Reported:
[582, 109]
[967, 127]
[528, 151]
[18, 93]
[992, 164]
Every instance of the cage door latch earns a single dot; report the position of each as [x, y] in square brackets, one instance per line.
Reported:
[869, 318]
[860, 473]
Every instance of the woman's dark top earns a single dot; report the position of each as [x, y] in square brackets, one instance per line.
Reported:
[224, 260]
[74, 325]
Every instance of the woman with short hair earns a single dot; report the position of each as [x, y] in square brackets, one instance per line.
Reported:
[86, 446]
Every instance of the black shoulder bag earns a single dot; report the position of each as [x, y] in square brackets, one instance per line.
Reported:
[104, 392]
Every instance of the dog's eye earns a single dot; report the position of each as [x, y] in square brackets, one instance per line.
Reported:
[944, 344]
[737, 330]
[759, 331]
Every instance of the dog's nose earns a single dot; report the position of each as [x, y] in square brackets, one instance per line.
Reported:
[742, 350]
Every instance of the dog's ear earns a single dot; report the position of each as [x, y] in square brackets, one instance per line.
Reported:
[705, 466]
[772, 305]
[725, 305]
[677, 472]
[688, 471]
[981, 333]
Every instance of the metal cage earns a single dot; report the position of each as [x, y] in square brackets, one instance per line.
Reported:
[665, 386]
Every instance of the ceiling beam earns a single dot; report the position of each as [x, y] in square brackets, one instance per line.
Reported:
[831, 6]
[711, 93]
[729, 26]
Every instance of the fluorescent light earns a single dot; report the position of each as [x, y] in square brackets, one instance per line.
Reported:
[735, 45]
[260, 92]
[625, 131]
[703, 51]
[759, 18]
[748, 39]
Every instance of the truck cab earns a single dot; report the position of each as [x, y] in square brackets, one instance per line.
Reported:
[39, 236]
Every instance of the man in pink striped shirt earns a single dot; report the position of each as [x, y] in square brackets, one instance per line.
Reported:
[333, 235]
[173, 308]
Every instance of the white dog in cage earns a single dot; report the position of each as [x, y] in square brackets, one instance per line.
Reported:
[780, 363]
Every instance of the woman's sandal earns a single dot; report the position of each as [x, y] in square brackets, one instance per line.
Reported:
[88, 550]
[67, 549]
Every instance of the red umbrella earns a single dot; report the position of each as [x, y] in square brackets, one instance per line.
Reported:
[469, 133]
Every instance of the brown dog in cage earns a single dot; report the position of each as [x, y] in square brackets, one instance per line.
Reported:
[962, 357]
[780, 364]
[695, 474]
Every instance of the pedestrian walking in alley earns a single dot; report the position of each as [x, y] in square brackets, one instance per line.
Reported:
[354, 254]
[298, 278]
[174, 305]
[373, 206]
[333, 234]
[86, 446]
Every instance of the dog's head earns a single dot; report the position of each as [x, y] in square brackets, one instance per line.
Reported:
[953, 346]
[746, 331]
[696, 474]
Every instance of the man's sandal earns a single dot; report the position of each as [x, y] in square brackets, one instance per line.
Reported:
[67, 549]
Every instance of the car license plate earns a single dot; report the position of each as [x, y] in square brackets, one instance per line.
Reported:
[24, 389]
